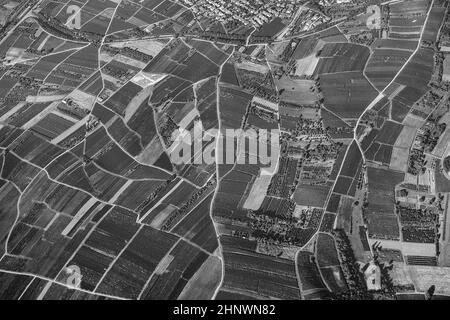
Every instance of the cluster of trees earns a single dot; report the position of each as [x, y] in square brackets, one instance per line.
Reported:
[364, 38]
[270, 229]
[258, 84]
[416, 162]
[128, 52]
[281, 182]
[73, 139]
[27, 87]
[263, 113]
[446, 164]
[238, 39]
[54, 26]
[166, 186]
[167, 127]
[357, 288]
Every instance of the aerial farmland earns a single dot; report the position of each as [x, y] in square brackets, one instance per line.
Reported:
[224, 150]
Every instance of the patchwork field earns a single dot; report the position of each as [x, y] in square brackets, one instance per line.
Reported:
[115, 170]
